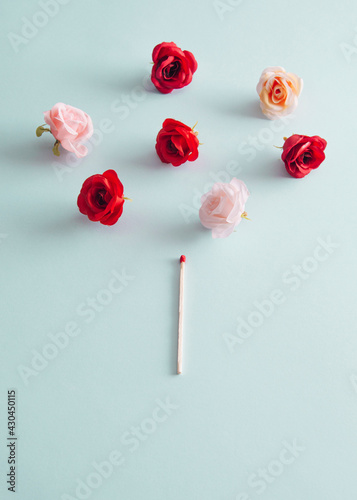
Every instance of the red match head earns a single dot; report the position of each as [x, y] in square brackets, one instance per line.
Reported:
[183, 258]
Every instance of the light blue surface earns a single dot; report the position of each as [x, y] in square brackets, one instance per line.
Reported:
[294, 378]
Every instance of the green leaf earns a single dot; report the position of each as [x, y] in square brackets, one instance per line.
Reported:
[40, 130]
[55, 148]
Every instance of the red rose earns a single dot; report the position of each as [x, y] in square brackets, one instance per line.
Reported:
[173, 68]
[176, 143]
[101, 198]
[302, 153]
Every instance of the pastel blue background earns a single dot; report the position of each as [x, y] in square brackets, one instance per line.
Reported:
[294, 378]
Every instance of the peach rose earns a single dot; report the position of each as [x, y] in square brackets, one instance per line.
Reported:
[223, 207]
[70, 126]
[278, 92]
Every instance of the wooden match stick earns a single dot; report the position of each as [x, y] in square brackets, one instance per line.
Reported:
[180, 322]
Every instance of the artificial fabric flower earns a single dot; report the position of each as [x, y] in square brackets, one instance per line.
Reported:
[69, 126]
[278, 92]
[173, 68]
[176, 143]
[101, 198]
[302, 153]
[223, 207]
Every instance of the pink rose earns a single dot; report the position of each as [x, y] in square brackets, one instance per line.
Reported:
[278, 92]
[70, 126]
[223, 207]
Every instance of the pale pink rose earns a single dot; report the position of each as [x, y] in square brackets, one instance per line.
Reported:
[278, 92]
[222, 207]
[70, 126]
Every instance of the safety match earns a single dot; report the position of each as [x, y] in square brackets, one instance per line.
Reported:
[180, 322]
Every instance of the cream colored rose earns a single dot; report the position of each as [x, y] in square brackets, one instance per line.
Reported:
[278, 92]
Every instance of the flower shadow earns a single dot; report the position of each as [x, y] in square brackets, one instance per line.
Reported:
[184, 233]
[57, 224]
[150, 160]
[121, 81]
[276, 169]
[29, 152]
[265, 170]
[250, 108]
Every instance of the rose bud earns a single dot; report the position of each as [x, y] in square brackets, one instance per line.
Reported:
[101, 198]
[69, 126]
[302, 153]
[278, 92]
[223, 207]
[173, 68]
[176, 143]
